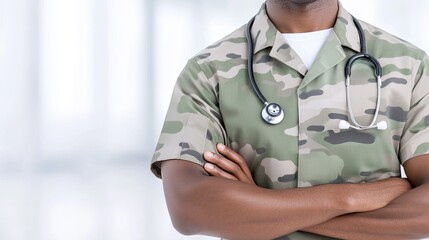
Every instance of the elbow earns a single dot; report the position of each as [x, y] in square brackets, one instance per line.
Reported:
[186, 211]
[186, 193]
[184, 224]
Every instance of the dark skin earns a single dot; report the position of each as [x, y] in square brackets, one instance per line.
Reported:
[295, 16]
[219, 206]
[231, 206]
[405, 217]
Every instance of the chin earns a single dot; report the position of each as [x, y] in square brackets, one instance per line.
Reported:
[297, 1]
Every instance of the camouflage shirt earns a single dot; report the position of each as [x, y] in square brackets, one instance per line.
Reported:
[213, 102]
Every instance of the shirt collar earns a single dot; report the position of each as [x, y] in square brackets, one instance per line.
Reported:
[346, 30]
[264, 32]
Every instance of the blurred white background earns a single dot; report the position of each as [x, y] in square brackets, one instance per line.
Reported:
[84, 87]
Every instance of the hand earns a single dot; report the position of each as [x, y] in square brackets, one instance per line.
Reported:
[229, 165]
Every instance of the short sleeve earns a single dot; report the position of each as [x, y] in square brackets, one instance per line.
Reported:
[415, 138]
[193, 122]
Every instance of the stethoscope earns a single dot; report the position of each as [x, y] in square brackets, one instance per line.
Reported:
[273, 113]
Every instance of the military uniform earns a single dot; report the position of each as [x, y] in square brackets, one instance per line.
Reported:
[213, 102]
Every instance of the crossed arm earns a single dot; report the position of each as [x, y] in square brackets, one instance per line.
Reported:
[217, 206]
[406, 217]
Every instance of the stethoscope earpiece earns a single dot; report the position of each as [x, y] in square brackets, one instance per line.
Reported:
[272, 113]
[382, 125]
[344, 125]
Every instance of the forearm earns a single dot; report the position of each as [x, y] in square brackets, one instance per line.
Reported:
[200, 204]
[241, 211]
[407, 217]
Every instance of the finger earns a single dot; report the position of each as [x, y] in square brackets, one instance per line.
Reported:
[226, 165]
[215, 171]
[236, 158]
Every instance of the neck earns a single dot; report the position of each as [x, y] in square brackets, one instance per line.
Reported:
[298, 16]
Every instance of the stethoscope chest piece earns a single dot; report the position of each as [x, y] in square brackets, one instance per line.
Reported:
[272, 113]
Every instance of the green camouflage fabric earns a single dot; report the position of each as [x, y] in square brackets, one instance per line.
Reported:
[213, 102]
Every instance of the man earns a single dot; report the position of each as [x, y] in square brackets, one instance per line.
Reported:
[227, 173]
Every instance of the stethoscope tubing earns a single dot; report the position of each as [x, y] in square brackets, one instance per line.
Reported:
[363, 54]
[250, 72]
[350, 108]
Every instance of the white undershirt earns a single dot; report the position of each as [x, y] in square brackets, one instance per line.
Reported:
[307, 45]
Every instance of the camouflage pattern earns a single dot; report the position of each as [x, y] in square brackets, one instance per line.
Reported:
[213, 102]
